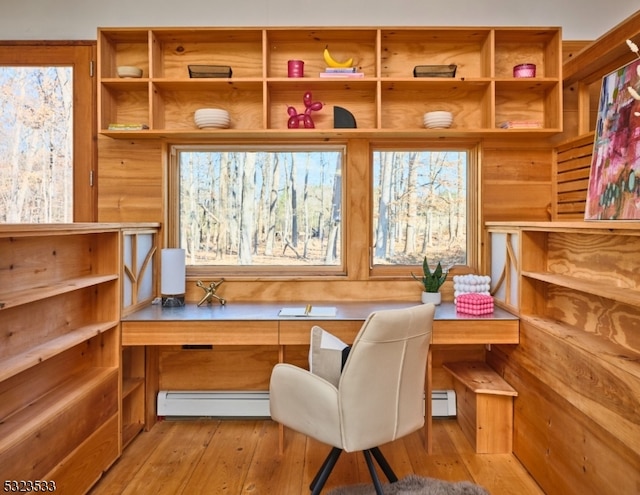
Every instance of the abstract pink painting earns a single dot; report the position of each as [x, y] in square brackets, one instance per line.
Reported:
[614, 179]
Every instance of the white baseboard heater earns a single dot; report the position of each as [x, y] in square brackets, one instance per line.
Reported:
[203, 403]
[443, 403]
[213, 403]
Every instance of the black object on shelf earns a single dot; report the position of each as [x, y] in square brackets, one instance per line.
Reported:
[435, 70]
[197, 71]
[343, 119]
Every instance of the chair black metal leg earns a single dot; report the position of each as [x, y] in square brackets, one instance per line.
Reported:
[325, 470]
[372, 472]
[384, 465]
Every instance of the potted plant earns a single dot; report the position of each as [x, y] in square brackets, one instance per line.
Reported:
[431, 281]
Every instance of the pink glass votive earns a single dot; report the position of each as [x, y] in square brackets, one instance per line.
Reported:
[295, 68]
[524, 70]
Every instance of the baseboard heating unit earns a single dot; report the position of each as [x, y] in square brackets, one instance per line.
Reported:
[443, 403]
[255, 404]
[213, 403]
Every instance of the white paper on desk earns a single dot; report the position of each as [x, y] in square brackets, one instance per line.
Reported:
[316, 312]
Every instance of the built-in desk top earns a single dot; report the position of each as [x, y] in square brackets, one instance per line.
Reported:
[259, 324]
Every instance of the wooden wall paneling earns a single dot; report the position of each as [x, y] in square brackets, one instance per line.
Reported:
[564, 448]
[573, 164]
[517, 201]
[516, 181]
[219, 368]
[253, 289]
[577, 423]
[572, 122]
[358, 226]
[152, 384]
[131, 184]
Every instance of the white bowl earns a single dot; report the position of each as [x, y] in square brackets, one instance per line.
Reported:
[211, 118]
[129, 71]
[438, 119]
[439, 114]
[211, 112]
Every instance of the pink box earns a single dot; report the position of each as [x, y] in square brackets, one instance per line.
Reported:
[474, 304]
[524, 70]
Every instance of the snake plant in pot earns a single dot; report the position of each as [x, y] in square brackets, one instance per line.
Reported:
[431, 281]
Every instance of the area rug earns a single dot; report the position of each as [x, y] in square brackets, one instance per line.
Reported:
[414, 485]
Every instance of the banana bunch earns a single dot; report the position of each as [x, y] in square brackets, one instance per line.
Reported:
[331, 62]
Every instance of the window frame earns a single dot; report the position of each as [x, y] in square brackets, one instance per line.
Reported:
[81, 56]
[382, 272]
[272, 272]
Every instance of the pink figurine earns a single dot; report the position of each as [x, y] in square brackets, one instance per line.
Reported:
[295, 118]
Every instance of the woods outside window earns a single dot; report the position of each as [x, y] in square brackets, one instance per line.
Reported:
[47, 145]
[281, 211]
[421, 206]
[259, 210]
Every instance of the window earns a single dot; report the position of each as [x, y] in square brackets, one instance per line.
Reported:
[36, 171]
[420, 207]
[263, 209]
[46, 133]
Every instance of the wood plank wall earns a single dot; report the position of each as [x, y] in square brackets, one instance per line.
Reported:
[572, 166]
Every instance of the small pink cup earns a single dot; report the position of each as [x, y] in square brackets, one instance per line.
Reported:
[524, 70]
[295, 68]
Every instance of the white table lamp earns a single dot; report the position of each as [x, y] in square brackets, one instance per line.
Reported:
[173, 277]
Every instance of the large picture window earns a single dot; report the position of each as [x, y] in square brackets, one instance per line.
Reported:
[259, 210]
[420, 207]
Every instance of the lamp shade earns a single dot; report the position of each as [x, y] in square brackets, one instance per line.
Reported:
[173, 272]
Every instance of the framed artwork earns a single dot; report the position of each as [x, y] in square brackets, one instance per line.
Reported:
[614, 178]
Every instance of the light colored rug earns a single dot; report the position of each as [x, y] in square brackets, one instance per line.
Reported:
[414, 485]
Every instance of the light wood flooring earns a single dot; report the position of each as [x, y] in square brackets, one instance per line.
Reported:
[240, 457]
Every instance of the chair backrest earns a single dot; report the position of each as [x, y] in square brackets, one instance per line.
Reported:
[381, 388]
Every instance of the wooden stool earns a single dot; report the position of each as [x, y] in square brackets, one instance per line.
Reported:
[484, 406]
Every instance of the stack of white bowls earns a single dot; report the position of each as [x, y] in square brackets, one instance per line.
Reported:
[212, 118]
[438, 120]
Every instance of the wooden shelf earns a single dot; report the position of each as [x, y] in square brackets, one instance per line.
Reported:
[45, 419]
[59, 358]
[48, 349]
[388, 100]
[619, 294]
[129, 385]
[33, 294]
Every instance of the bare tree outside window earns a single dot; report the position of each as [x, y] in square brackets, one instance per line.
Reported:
[419, 207]
[36, 144]
[260, 208]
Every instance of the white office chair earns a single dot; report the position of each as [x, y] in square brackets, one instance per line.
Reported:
[378, 398]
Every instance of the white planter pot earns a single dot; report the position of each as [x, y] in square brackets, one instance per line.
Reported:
[431, 297]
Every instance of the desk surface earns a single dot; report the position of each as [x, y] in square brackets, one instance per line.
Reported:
[345, 311]
[259, 324]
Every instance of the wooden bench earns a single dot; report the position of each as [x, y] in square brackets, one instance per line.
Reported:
[484, 406]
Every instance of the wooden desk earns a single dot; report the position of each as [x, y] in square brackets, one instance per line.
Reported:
[259, 324]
